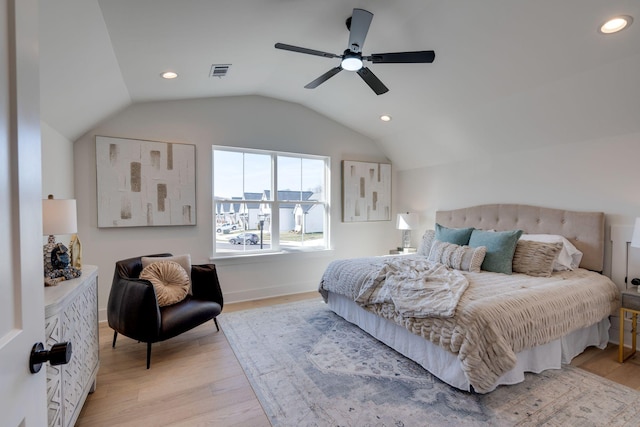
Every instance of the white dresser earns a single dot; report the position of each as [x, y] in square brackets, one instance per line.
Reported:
[71, 314]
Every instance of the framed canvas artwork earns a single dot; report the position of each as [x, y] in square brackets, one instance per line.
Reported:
[366, 191]
[145, 183]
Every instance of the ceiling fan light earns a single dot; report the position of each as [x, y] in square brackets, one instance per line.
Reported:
[351, 63]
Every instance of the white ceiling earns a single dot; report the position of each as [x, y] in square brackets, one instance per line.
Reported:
[509, 75]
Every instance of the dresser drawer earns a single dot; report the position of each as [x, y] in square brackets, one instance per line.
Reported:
[631, 300]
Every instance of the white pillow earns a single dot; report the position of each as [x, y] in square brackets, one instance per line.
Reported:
[568, 258]
[425, 244]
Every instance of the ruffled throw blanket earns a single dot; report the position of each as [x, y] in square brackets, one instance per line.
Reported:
[496, 317]
[416, 288]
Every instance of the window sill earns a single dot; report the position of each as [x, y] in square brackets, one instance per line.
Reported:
[235, 259]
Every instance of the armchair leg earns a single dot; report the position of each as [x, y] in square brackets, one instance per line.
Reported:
[115, 335]
[148, 355]
[216, 322]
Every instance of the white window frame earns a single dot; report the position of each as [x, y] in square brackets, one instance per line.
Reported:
[274, 204]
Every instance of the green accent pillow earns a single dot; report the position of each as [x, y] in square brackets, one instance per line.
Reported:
[501, 245]
[457, 236]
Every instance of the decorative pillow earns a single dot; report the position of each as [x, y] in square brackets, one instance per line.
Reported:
[535, 258]
[459, 236]
[169, 280]
[425, 244]
[459, 257]
[183, 260]
[500, 245]
[569, 257]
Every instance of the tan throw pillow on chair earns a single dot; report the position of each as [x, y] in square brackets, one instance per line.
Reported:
[183, 260]
[169, 280]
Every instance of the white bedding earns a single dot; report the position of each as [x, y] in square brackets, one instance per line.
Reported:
[498, 316]
[416, 287]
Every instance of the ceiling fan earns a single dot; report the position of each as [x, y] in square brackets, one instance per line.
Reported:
[352, 59]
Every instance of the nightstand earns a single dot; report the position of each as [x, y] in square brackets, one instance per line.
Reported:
[397, 251]
[630, 304]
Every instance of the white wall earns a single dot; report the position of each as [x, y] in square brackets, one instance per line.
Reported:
[57, 169]
[600, 175]
[57, 164]
[251, 121]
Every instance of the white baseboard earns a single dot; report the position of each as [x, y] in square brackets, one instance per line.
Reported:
[251, 294]
[275, 291]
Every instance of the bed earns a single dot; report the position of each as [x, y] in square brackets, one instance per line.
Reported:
[477, 330]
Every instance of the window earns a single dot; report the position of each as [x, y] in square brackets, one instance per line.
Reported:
[266, 201]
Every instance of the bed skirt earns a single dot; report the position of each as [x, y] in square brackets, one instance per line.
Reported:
[446, 366]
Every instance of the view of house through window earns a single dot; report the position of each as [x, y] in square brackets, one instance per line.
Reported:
[269, 201]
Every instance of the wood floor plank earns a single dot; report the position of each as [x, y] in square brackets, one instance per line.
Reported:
[196, 380]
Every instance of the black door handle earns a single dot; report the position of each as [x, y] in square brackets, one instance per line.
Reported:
[60, 354]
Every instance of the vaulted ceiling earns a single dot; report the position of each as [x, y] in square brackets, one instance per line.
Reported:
[508, 75]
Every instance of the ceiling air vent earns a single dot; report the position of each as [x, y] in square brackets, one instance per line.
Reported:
[219, 70]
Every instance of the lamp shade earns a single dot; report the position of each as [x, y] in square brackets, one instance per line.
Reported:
[635, 239]
[407, 221]
[59, 217]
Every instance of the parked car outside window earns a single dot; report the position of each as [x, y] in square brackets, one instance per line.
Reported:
[245, 239]
[225, 228]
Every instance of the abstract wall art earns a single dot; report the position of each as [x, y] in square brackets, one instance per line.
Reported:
[366, 191]
[145, 183]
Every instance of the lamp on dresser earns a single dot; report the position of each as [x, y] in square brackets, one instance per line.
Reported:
[58, 217]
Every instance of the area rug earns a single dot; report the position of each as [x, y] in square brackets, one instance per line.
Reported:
[309, 367]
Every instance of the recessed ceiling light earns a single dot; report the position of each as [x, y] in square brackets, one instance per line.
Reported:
[385, 118]
[169, 75]
[616, 24]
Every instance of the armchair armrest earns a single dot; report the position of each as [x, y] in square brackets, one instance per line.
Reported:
[205, 283]
[133, 309]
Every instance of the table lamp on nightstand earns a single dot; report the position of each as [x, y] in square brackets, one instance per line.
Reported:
[406, 222]
[635, 243]
[635, 238]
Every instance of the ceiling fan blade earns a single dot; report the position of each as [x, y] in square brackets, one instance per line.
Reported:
[323, 78]
[374, 83]
[360, 22]
[305, 50]
[423, 56]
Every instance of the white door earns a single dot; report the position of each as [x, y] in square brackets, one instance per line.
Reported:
[22, 394]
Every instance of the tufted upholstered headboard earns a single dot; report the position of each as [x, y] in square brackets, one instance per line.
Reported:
[584, 229]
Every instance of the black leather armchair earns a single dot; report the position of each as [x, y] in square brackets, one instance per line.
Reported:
[133, 310]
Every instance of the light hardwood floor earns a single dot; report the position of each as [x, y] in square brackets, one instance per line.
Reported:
[196, 380]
